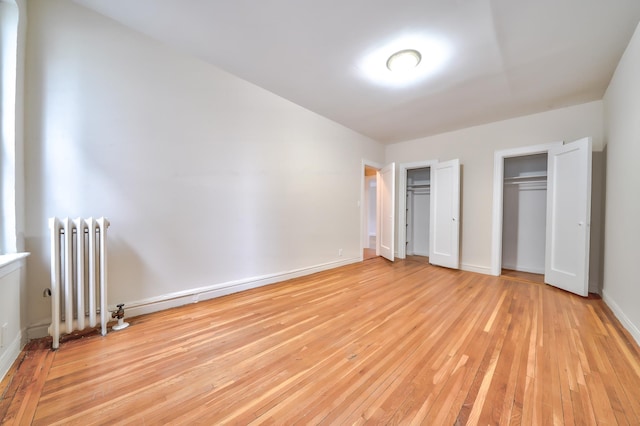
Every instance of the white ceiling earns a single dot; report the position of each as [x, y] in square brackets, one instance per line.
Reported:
[507, 57]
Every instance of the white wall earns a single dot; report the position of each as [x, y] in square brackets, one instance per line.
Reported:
[621, 287]
[475, 147]
[206, 179]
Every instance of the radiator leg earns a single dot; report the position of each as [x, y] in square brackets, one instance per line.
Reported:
[120, 315]
[120, 325]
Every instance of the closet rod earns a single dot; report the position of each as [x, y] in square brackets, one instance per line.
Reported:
[525, 181]
[515, 180]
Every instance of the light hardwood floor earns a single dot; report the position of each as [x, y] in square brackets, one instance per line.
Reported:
[373, 342]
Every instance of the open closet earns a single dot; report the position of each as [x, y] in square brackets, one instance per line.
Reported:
[555, 178]
[429, 211]
[418, 211]
[524, 213]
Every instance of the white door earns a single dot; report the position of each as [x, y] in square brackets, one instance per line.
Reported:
[568, 217]
[386, 210]
[444, 247]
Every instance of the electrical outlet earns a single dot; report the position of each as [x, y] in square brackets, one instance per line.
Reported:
[339, 252]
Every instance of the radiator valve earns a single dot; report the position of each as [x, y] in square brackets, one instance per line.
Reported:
[119, 314]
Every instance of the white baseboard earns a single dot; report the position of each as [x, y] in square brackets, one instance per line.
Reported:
[10, 354]
[626, 322]
[476, 268]
[531, 270]
[38, 330]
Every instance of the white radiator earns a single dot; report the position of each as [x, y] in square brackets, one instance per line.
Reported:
[78, 275]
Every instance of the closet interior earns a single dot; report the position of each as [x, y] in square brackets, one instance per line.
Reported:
[418, 211]
[524, 213]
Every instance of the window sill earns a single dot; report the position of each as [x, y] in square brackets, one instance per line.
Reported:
[11, 262]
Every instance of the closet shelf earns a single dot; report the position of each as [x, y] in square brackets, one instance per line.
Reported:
[425, 185]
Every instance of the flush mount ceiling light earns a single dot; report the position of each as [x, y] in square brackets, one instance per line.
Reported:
[404, 60]
[427, 56]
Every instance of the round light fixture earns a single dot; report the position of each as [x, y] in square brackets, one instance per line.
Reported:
[404, 60]
[427, 56]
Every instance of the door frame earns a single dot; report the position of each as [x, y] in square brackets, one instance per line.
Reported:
[363, 208]
[402, 202]
[498, 187]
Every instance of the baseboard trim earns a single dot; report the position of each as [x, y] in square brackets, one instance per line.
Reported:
[523, 269]
[476, 268]
[11, 353]
[624, 320]
[38, 330]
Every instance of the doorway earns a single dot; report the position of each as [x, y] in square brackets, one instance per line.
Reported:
[524, 215]
[507, 183]
[370, 231]
[566, 185]
[384, 231]
[418, 209]
[414, 208]
[444, 209]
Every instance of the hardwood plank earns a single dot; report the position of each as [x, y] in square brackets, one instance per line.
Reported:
[25, 405]
[373, 342]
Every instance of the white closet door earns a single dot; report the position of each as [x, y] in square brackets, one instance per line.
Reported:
[386, 210]
[568, 217]
[444, 241]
